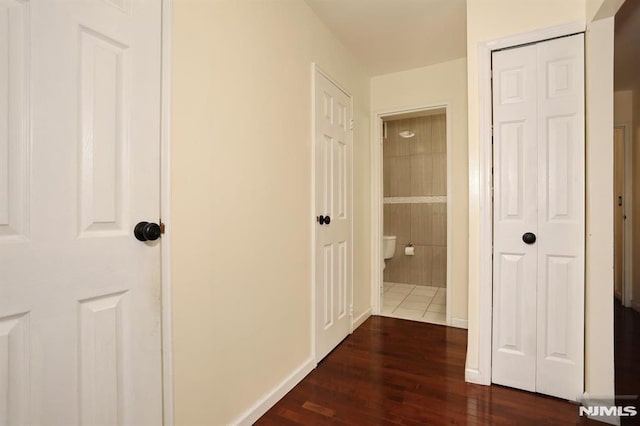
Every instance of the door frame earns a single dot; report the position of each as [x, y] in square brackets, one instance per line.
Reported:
[483, 312]
[627, 229]
[377, 203]
[314, 333]
[165, 214]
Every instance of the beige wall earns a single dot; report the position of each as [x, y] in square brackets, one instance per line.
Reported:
[435, 85]
[416, 167]
[492, 19]
[241, 189]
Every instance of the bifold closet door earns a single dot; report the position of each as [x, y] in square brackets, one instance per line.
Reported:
[538, 286]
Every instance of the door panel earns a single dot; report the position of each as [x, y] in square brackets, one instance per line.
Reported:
[79, 295]
[515, 204]
[561, 222]
[103, 162]
[333, 198]
[538, 319]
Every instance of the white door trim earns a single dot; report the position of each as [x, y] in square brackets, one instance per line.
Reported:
[627, 277]
[377, 226]
[482, 375]
[165, 214]
[315, 68]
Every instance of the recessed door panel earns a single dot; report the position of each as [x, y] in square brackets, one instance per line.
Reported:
[341, 114]
[560, 77]
[512, 85]
[341, 272]
[327, 107]
[325, 162]
[511, 162]
[560, 173]
[341, 179]
[101, 356]
[555, 295]
[15, 361]
[327, 286]
[103, 67]
[14, 120]
[511, 300]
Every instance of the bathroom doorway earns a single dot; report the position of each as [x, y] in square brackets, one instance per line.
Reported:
[414, 216]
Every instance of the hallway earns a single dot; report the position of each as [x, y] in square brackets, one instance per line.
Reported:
[393, 371]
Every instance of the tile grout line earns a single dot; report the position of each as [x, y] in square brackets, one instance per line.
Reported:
[405, 298]
[420, 318]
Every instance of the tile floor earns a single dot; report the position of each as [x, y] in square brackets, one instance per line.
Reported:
[415, 302]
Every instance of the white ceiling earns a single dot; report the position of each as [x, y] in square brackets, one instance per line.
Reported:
[394, 35]
[627, 46]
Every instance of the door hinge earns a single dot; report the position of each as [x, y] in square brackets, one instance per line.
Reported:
[350, 310]
[351, 124]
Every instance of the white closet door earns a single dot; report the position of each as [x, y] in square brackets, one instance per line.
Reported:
[333, 148]
[515, 213]
[538, 327]
[561, 222]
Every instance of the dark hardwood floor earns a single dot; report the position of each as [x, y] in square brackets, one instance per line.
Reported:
[627, 359]
[393, 371]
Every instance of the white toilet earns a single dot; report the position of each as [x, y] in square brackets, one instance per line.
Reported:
[388, 248]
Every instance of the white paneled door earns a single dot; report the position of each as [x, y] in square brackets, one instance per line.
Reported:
[333, 209]
[539, 219]
[79, 167]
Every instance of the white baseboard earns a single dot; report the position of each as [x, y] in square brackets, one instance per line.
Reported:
[361, 318]
[473, 375]
[635, 305]
[612, 420]
[459, 323]
[269, 400]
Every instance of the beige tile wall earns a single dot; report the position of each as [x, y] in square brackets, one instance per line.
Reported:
[416, 167]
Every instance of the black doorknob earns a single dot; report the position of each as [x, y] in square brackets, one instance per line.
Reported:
[324, 220]
[145, 231]
[529, 238]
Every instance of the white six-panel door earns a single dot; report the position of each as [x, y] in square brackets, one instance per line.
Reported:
[79, 166]
[333, 246]
[539, 157]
